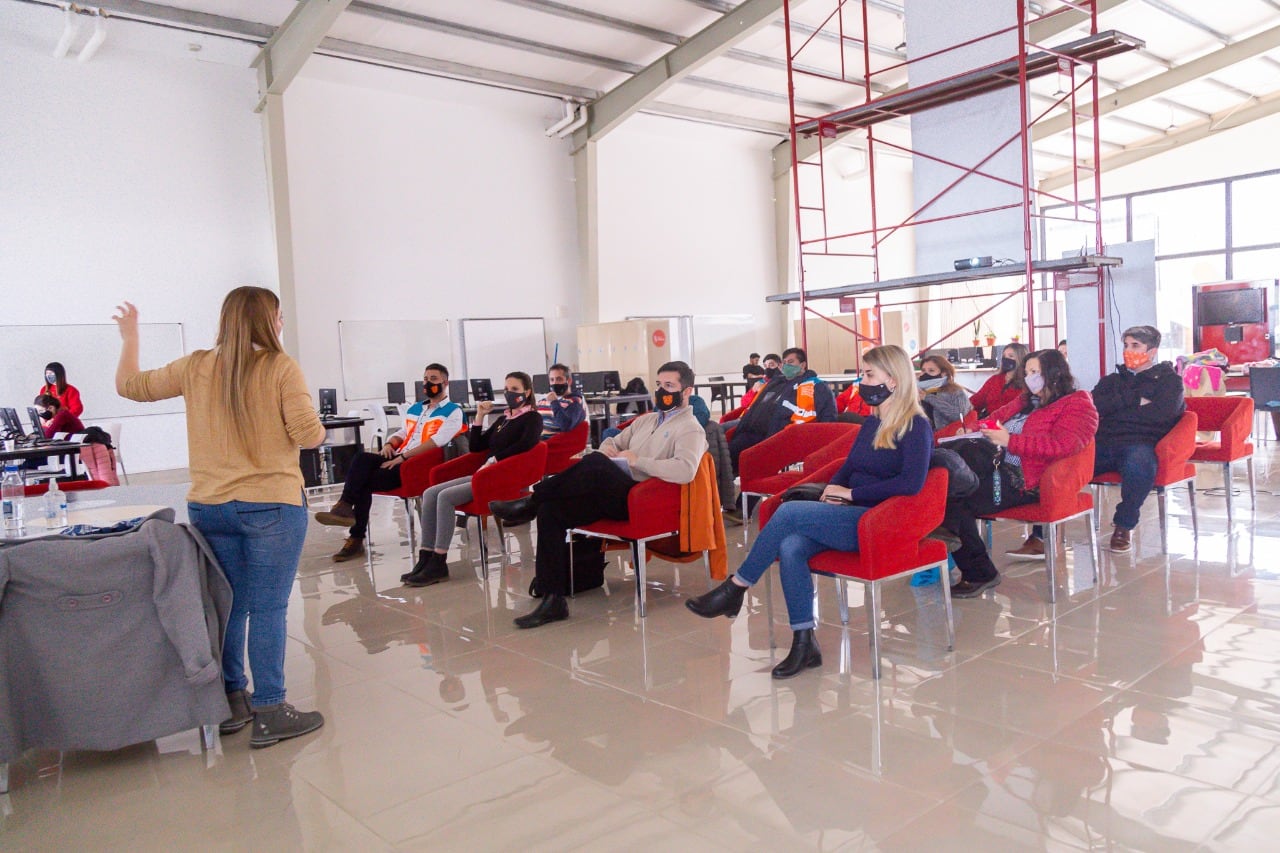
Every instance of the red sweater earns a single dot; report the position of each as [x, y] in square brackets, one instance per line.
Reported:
[995, 394]
[69, 399]
[1057, 430]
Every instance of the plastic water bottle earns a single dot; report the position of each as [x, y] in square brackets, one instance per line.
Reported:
[55, 507]
[11, 497]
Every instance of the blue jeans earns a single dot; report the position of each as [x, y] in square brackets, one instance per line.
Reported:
[796, 532]
[1137, 466]
[258, 545]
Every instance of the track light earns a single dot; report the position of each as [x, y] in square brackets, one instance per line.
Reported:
[69, 30]
[95, 41]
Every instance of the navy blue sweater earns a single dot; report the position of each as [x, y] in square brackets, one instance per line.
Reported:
[873, 475]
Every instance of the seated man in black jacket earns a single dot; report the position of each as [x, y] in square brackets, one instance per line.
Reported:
[795, 396]
[1137, 406]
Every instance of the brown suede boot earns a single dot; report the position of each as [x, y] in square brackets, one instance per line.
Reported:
[350, 549]
[1120, 543]
[341, 515]
[241, 713]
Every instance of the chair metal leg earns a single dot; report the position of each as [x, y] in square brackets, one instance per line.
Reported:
[706, 564]
[1164, 520]
[1051, 558]
[502, 537]
[4, 777]
[946, 603]
[1231, 493]
[1095, 552]
[1097, 505]
[637, 549]
[483, 545]
[409, 515]
[1253, 490]
[873, 622]
[842, 589]
[1191, 501]
[568, 537]
[209, 737]
[768, 608]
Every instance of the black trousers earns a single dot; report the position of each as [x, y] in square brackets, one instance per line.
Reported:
[366, 476]
[961, 519]
[741, 441]
[593, 489]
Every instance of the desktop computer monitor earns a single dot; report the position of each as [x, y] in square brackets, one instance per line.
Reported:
[592, 382]
[458, 390]
[34, 414]
[328, 401]
[419, 391]
[395, 392]
[481, 390]
[612, 382]
[11, 423]
[970, 354]
[541, 385]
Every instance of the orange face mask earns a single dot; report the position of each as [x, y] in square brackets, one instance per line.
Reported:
[1136, 360]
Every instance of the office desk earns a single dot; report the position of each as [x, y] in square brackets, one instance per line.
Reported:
[610, 402]
[730, 386]
[353, 422]
[61, 449]
[98, 516]
[327, 464]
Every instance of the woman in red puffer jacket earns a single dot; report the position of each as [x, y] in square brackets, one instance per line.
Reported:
[1049, 421]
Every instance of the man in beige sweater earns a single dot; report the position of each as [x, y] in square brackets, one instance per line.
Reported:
[667, 444]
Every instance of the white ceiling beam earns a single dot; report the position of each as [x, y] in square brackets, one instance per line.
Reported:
[1261, 107]
[293, 42]
[1043, 29]
[680, 62]
[1186, 73]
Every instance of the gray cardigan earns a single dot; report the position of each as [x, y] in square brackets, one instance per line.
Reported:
[112, 640]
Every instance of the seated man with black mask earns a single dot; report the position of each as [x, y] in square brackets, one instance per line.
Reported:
[667, 444]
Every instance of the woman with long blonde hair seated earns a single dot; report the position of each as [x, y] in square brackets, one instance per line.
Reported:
[889, 457]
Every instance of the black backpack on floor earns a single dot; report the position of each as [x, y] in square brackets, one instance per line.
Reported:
[588, 567]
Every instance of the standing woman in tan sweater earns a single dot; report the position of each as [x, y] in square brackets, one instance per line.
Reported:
[248, 412]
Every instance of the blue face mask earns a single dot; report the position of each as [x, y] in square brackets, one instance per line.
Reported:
[50, 378]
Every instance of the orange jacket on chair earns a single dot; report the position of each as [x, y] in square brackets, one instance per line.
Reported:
[701, 525]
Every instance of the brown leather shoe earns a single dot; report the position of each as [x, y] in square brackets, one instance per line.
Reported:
[1032, 549]
[350, 549]
[341, 515]
[1120, 540]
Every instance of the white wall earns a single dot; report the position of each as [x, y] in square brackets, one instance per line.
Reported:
[138, 175]
[686, 227]
[413, 196]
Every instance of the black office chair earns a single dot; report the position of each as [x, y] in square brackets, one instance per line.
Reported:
[1264, 388]
[719, 393]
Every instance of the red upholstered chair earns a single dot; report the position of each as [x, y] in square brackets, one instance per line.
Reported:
[733, 415]
[38, 489]
[562, 447]
[653, 512]
[891, 545]
[763, 468]
[1173, 467]
[415, 476]
[504, 480]
[1232, 419]
[1061, 500]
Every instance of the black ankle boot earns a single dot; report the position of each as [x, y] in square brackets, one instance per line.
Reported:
[804, 654]
[434, 570]
[724, 600]
[515, 513]
[424, 556]
[552, 608]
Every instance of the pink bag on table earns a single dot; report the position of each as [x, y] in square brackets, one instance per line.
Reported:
[100, 463]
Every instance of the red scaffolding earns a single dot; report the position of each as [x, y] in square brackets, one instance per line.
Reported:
[848, 24]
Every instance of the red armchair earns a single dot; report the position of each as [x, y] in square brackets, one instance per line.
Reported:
[1061, 500]
[653, 512]
[733, 415]
[892, 544]
[504, 480]
[562, 447]
[1232, 419]
[37, 489]
[415, 476]
[1173, 467]
[763, 468]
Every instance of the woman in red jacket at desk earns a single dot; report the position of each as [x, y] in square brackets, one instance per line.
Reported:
[1049, 421]
[1006, 385]
[55, 384]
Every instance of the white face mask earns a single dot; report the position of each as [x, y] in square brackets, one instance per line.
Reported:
[1035, 383]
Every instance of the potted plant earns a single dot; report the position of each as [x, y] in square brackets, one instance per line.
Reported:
[977, 325]
[1017, 338]
[991, 338]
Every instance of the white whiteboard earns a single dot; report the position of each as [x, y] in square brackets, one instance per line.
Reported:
[721, 343]
[375, 352]
[90, 353]
[492, 347]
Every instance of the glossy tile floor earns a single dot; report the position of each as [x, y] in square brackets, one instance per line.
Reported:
[1141, 713]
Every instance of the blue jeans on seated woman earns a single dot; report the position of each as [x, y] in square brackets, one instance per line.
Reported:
[258, 545]
[796, 532]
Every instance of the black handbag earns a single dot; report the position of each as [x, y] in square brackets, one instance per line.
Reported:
[803, 492]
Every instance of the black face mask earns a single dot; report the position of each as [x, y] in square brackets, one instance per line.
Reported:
[770, 372]
[434, 389]
[560, 389]
[1008, 365]
[514, 399]
[665, 400]
[46, 416]
[874, 395]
